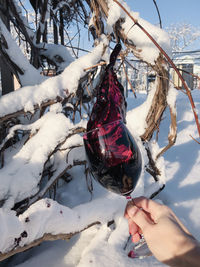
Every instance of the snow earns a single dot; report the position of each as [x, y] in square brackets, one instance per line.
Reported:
[138, 126]
[58, 54]
[171, 98]
[146, 49]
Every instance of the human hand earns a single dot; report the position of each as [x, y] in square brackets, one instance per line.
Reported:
[167, 238]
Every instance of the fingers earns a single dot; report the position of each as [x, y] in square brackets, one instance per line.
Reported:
[151, 207]
[129, 203]
[156, 210]
[139, 217]
[136, 238]
[133, 228]
[134, 231]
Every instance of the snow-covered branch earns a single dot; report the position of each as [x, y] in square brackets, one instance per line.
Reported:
[61, 86]
[48, 134]
[45, 237]
[48, 220]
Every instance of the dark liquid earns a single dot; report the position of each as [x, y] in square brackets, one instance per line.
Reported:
[113, 157]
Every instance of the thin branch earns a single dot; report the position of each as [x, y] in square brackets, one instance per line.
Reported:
[157, 192]
[189, 73]
[152, 168]
[78, 48]
[57, 21]
[79, 36]
[17, 20]
[158, 13]
[40, 30]
[131, 65]
[94, 66]
[133, 90]
[195, 139]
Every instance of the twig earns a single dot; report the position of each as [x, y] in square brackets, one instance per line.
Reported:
[96, 65]
[78, 48]
[56, 21]
[192, 74]
[157, 192]
[158, 13]
[131, 65]
[195, 139]
[128, 80]
[50, 184]
[78, 30]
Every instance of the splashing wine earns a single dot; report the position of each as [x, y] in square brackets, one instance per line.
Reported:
[112, 153]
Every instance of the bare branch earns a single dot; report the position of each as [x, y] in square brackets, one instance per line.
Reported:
[157, 9]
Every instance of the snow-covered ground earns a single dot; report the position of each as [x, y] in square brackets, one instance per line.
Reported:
[101, 245]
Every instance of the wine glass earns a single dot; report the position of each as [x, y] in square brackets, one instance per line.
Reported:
[115, 162]
[114, 157]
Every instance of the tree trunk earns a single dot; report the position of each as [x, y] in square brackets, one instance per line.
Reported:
[7, 83]
[61, 28]
[55, 33]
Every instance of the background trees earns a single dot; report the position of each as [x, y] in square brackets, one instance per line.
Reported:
[182, 35]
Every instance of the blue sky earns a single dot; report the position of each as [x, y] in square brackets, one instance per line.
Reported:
[171, 11]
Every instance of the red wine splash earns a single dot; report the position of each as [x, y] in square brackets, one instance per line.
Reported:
[113, 155]
[110, 104]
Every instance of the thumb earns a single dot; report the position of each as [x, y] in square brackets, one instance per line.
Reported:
[139, 217]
